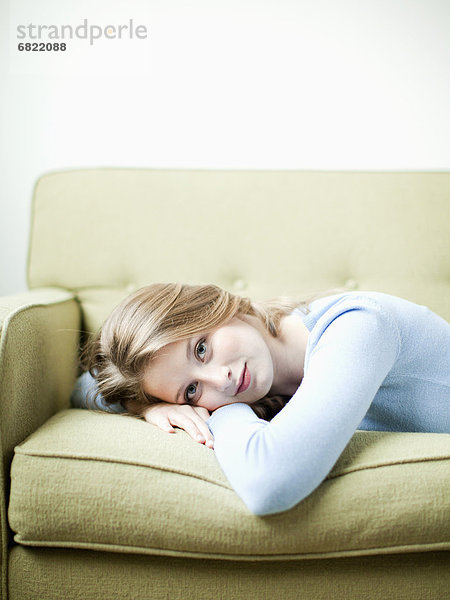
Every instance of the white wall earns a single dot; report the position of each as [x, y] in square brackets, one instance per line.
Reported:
[265, 84]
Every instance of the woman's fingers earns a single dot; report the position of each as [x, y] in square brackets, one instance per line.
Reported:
[192, 419]
[159, 419]
[202, 412]
[192, 423]
[202, 415]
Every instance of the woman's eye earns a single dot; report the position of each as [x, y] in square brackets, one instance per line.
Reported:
[201, 350]
[190, 392]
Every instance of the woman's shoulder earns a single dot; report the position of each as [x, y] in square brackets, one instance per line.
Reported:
[396, 318]
[396, 307]
[327, 308]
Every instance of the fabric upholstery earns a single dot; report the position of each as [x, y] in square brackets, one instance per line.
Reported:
[38, 363]
[54, 574]
[99, 481]
[310, 231]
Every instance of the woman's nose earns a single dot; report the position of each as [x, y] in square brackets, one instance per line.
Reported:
[219, 377]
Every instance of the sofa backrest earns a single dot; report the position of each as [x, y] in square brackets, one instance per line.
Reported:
[105, 232]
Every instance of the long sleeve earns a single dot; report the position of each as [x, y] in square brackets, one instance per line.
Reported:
[83, 394]
[274, 465]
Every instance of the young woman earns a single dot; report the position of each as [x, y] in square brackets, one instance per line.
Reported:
[217, 366]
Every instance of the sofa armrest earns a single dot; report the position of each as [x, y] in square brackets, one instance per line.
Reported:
[39, 337]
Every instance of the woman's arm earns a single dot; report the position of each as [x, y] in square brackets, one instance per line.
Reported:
[166, 416]
[162, 414]
[272, 466]
[84, 392]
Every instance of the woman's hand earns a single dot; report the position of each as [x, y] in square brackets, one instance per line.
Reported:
[166, 416]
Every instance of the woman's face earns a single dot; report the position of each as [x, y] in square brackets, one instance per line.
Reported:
[232, 363]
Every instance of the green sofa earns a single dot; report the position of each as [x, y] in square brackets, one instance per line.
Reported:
[102, 506]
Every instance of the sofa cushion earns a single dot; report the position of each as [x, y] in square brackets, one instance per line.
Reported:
[113, 482]
[140, 227]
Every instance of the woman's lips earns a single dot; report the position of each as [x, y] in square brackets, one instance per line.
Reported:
[245, 380]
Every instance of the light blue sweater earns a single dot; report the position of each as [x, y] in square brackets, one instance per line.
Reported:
[373, 361]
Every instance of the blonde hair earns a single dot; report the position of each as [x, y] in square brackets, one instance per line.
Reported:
[159, 314]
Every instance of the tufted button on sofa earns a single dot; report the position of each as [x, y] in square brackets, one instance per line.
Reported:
[101, 506]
